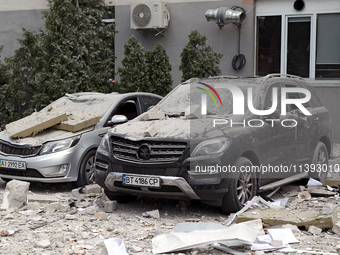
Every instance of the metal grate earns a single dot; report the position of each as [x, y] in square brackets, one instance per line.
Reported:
[141, 15]
[160, 151]
[11, 149]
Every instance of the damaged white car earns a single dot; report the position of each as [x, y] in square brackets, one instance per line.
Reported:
[58, 144]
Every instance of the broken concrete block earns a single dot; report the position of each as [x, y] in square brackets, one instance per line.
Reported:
[314, 230]
[43, 243]
[336, 228]
[78, 121]
[92, 188]
[294, 228]
[304, 195]
[151, 214]
[15, 194]
[272, 217]
[153, 116]
[43, 199]
[51, 208]
[91, 210]
[63, 207]
[110, 206]
[35, 123]
[151, 132]
[192, 112]
[320, 192]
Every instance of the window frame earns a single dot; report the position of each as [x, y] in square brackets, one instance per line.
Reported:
[285, 15]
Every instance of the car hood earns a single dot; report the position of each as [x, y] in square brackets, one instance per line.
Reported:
[175, 128]
[45, 136]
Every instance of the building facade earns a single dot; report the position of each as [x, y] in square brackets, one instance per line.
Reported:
[277, 36]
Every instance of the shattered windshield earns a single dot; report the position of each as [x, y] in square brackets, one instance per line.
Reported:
[94, 104]
[191, 94]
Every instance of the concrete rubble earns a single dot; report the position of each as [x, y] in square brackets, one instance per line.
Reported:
[64, 116]
[65, 222]
[15, 195]
[35, 123]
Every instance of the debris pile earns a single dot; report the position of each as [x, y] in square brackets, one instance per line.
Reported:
[85, 221]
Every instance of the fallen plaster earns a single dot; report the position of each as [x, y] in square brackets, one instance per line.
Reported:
[272, 217]
[35, 123]
[77, 121]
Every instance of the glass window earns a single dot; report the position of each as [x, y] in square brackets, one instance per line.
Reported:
[269, 44]
[327, 46]
[148, 101]
[298, 46]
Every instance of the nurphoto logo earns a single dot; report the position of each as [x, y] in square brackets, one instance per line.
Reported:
[239, 102]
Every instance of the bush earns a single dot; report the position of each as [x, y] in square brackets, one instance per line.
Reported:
[159, 70]
[134, 74]
[199, 60]
[20, 72]
[145, 71]
[77, 50]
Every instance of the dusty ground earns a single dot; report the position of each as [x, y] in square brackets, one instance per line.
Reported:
[83, 233]
[80, 233]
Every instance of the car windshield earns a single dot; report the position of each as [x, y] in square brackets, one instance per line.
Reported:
[191, 94]
[94, 104]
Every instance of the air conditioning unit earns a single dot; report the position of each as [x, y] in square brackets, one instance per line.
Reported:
[153, 15]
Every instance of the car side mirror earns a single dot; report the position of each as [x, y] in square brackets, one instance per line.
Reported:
[118, 119]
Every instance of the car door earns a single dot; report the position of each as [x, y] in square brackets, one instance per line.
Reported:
[296, 150]
[277, 136]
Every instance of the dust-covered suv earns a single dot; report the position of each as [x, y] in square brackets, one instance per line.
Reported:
[219, 140]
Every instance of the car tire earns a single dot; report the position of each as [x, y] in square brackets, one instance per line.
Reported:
[86, 169]
[120, 198]
[242, 187]
[320, 162]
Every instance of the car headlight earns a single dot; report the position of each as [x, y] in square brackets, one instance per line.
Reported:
[55, 146]
[104, 144]
[209, 147]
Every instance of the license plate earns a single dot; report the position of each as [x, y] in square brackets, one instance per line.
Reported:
[145, 181]
[13, 164]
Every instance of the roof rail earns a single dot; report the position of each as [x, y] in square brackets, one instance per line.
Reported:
[273, 75]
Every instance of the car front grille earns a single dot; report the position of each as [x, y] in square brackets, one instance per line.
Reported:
[22, 173]
[160, 151]
[158, 171]
[10, 149]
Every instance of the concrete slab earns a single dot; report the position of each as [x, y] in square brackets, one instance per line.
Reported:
[273, 217]
[78, 121]
[44, 199]
[35, 123]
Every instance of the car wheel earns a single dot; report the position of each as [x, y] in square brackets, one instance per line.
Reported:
[242, 188]
[320, 162]
[86, 169]
[120, 198]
